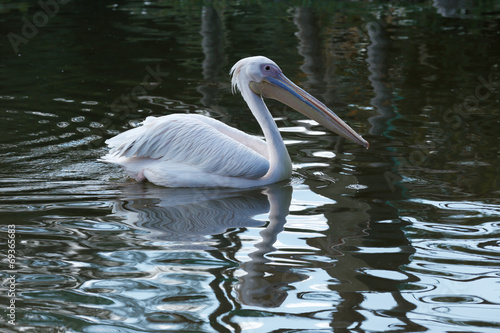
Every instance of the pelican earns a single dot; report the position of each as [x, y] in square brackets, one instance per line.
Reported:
[191, 150]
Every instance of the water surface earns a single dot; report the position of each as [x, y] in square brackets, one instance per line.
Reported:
[401, 237]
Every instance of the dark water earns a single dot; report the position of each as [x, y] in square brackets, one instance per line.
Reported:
[403, 237]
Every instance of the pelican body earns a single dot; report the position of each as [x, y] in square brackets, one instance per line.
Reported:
[190, 150]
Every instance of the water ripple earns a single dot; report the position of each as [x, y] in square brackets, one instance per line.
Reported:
[464, 208]
[44, 281]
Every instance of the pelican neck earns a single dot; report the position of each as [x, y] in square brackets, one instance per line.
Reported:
[280, 164]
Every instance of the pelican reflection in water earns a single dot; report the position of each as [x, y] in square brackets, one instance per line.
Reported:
[190, 150]
[185, 217]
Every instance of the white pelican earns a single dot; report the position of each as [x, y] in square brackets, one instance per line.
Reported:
[190, 150]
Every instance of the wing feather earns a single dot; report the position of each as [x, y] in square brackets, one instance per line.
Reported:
[195, 141]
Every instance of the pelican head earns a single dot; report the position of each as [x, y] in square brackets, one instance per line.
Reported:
[264, 77]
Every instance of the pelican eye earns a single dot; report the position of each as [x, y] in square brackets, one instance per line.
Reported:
[267, 68]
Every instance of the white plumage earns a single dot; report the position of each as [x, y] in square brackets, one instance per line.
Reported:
[179, 148]
[190, 150]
